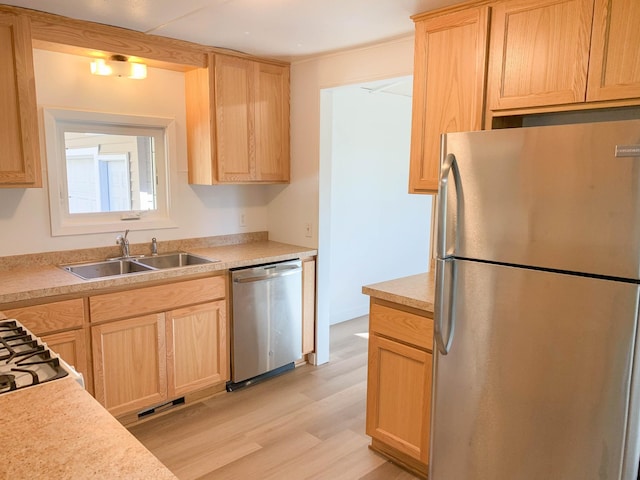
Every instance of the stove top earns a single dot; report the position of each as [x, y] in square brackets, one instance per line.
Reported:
[25, 360]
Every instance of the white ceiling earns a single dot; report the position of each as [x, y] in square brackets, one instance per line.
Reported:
[282, 29]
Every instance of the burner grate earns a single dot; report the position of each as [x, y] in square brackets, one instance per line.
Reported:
[24, 360]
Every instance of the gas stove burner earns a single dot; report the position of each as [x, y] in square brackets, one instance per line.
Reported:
[7, 381]
[24, 360]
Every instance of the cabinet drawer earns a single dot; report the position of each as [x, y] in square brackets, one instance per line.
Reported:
[141, 301]
[401, 325]
[50, 317]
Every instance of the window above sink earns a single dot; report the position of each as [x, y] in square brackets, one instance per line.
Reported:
[107, 170]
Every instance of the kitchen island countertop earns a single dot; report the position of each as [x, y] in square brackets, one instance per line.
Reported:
[57, 431]
[415, 291]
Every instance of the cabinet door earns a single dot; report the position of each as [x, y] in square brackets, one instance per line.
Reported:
[272, 123]
[234, 84]
[20, 160]
[448, 87]
[71, 345]
[72, 348]
[129, 363]
[201, 132]
[539, 53]
[399, 396]
[237, 122]
[614, 67]
[197, 353]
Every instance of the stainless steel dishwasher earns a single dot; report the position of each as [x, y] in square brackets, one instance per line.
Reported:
[266, 322]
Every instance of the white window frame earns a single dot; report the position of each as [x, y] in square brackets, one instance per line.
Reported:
[57, 121]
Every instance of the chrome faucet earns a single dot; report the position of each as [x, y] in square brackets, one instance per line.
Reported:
[154, 246]
[124, 244]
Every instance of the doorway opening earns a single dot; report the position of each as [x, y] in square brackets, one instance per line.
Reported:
[370, 228]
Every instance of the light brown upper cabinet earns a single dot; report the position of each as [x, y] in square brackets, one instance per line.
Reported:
[448, 86]
[20, 157]
[614, 67]
[272, 122]
[555, 55]
[234, 117]
[238, 122]
[539, 53]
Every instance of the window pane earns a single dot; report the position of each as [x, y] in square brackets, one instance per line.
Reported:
[109, 173]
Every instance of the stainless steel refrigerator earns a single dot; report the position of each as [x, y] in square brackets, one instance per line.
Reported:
[537, 291]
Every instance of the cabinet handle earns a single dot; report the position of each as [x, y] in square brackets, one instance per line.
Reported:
[260, 278]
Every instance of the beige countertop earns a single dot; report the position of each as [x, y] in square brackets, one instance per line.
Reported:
[415, 291]
[27, 280]
[56, 430]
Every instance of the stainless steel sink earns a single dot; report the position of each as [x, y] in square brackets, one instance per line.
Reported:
[127, 266]
[107, 268]
[173, 260]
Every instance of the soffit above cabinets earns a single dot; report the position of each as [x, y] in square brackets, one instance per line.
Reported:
[280, 29]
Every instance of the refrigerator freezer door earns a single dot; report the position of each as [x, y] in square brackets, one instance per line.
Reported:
[553, 197]
[536, 383]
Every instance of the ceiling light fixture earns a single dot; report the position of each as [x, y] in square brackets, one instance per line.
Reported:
[119, 66]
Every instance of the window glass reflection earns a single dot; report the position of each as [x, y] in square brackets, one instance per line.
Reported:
[109, 173]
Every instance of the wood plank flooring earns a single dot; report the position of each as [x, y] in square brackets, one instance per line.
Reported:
[305, 424]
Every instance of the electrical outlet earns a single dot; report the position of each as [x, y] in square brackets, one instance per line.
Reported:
[307, 230]
[243, 221]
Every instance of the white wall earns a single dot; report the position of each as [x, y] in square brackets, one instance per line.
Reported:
[64, 81]
[290, 208]
[378, 230]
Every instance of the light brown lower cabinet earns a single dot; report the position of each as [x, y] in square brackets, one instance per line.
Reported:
[72, 347]
[61, 325]
[142, 347]
[399, 383]
[196, 347]
[129, 363]
[155, 357]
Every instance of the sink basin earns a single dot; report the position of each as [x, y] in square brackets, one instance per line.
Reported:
[173, 260]
[125, 266]
[108, 268]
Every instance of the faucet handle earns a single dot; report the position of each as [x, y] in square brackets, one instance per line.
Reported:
[120, 239]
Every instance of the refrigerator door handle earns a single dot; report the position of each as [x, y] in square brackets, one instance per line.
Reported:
[444, 302]
[449, 165]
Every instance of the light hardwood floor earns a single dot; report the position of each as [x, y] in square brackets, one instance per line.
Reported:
[305, 424]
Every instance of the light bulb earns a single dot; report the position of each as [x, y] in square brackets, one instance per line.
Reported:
[100, 67]
[120, 67]
[138, 71]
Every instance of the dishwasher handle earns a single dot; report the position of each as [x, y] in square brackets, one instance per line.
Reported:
[277, 272]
